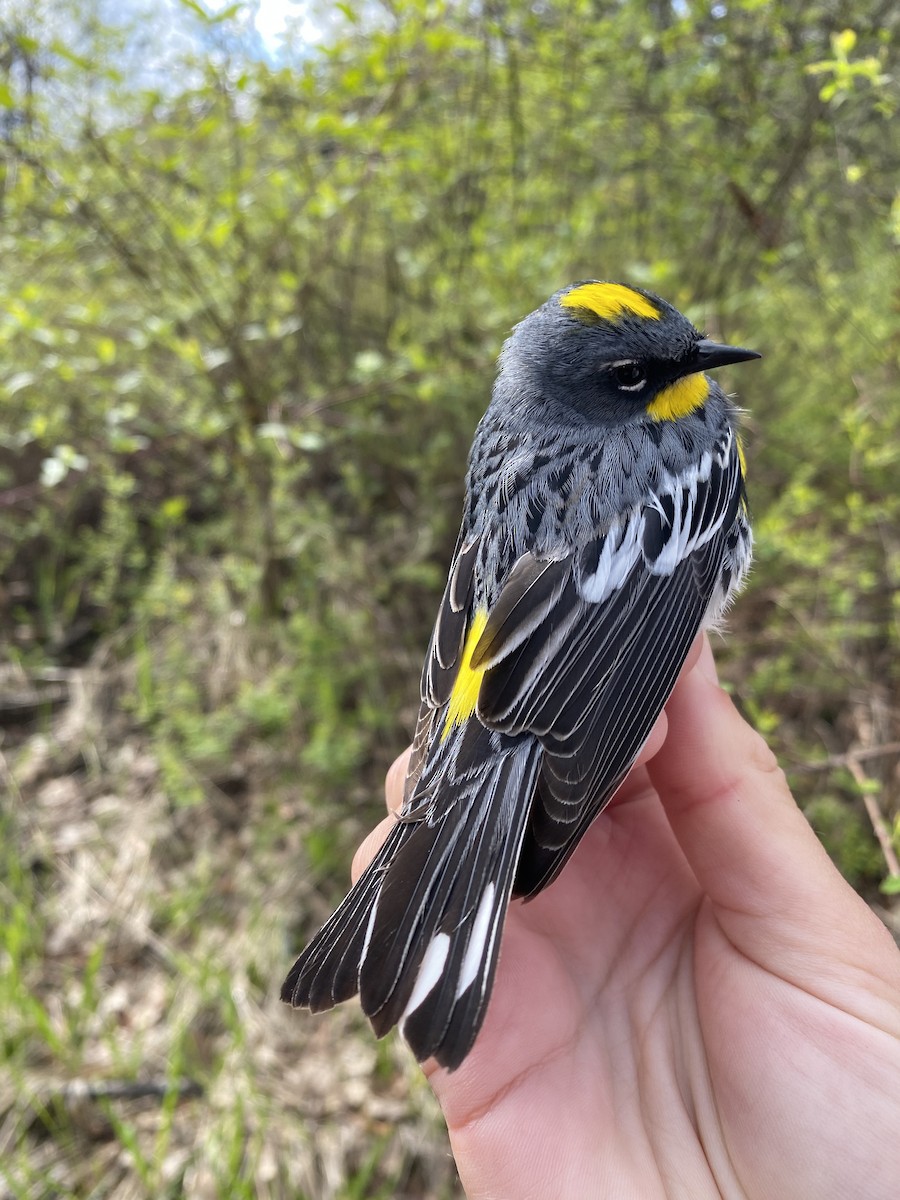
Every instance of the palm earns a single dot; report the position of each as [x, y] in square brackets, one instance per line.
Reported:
[645, 1041]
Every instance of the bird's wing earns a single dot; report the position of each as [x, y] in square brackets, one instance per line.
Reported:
[583, 652]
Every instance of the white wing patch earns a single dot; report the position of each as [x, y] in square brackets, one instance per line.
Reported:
[686, 510]
[685, 493]
[622, 547]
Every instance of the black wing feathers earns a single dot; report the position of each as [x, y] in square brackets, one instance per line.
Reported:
[442, 659]
[527, 691]
[530, 591]
[579, 776]
[593, 700]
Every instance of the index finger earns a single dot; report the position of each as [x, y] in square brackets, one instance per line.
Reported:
[393, 795]
[395, 779]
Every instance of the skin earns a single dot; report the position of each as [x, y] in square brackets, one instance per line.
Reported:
[698, 1007]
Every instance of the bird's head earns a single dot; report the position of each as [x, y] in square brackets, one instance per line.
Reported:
[615, 355]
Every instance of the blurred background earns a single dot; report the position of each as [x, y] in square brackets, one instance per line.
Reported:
[257, 262]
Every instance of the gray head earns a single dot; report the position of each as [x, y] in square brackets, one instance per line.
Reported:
[610, 355]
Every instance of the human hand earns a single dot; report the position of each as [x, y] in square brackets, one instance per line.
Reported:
[699, 1006]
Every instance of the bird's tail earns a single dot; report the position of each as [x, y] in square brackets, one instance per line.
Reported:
[419, 934]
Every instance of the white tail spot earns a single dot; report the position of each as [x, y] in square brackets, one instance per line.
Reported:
[477, 942]
[429, 973]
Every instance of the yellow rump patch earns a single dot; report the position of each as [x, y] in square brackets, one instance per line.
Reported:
[464, 696]
[679, 398]
[610, 301]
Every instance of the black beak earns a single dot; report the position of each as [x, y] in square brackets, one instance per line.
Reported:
[713, 354]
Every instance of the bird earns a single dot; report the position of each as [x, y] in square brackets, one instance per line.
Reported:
[605, 523]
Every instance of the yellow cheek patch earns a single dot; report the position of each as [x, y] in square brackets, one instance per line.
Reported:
[610, 301]
[679, 398]
[464, 696]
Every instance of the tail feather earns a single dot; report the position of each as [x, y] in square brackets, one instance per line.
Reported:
[407, 907]
[418, 936]
[327, 972]
[444, 1019]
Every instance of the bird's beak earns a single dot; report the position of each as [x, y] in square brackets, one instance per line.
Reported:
[713, 354]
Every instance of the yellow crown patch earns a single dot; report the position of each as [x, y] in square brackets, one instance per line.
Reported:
[610, 301]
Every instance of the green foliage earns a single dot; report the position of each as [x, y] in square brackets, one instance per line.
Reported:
[249, 313]
[253, 322]
[846, 836]
[845, 71]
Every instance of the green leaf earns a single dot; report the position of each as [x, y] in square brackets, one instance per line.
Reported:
[843, 42]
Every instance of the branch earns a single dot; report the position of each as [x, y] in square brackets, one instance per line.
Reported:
[851, 762]
[870, 800]
[834, 761]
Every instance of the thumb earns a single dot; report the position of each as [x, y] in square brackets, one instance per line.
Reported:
[775, 892]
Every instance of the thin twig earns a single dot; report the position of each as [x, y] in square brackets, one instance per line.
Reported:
[870, 800]
[833, 761]
[117, 1089]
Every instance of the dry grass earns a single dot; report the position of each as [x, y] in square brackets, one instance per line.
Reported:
[145, 1050]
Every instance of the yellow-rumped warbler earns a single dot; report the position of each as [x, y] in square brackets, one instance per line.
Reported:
[605, 523]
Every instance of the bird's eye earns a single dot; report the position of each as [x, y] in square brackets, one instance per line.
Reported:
[629, 375]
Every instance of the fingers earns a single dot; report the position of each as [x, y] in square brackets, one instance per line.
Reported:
[729, 804]
[370, 846]
[749, 845]
[658, 733]
[396, 777]
[393, 794]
